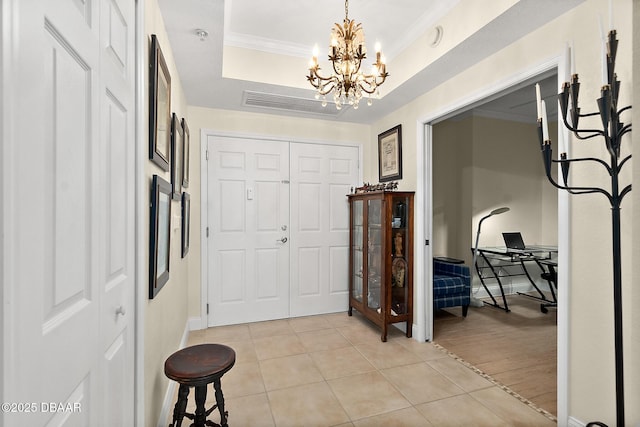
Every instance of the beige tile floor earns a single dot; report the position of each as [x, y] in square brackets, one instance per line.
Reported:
[333, 370]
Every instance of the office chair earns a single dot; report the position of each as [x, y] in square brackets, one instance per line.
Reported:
[551, 277]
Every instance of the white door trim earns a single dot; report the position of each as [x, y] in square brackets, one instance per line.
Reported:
[141, 200]
[424, 219]
[204, 188]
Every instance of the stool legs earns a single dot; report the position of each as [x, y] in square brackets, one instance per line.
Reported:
[220, 402]
[181, 406]
[200, 414]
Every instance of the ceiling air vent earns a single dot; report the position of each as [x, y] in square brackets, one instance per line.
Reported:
[289, 103]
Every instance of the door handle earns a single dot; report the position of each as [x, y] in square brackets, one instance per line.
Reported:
[120, 310]
[283, 240]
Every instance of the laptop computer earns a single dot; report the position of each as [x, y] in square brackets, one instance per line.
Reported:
[513, 240]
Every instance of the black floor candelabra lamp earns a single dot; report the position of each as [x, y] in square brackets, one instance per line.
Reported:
[612, 132]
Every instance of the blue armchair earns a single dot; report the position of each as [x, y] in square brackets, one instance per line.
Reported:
[451, 285]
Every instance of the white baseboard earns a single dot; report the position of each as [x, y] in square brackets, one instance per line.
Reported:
[168, 402]
[195, 324]
[572, 422]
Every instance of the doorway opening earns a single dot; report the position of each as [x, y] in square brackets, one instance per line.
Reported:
[486, 156]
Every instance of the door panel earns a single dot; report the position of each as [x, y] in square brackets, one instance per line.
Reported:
[117, 232]
[248, 207]
[73, 219]
[321, 177]
[69, 283]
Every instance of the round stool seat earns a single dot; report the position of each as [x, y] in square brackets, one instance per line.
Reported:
[199, 364]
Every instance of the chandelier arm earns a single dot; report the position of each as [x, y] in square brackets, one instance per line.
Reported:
[372, 83]
[324, 79]
[324, 92]
[335, 70]
[320, 83]
[370, 92]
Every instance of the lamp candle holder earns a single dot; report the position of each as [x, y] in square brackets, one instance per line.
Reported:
[612, 132]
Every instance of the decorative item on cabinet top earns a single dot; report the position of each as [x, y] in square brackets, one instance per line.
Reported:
[368, 188]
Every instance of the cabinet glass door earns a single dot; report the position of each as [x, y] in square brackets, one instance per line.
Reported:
[399, 251]
[356, 250]
[374, 251]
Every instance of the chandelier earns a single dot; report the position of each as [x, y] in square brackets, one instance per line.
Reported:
[346, 52]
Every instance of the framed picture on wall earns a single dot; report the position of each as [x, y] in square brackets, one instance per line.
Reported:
[159, 107]
[177, 147]
[390, 154]
[159, 235]
[186, 222]
[185, 155]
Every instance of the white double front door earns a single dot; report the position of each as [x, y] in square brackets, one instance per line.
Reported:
[278, 220]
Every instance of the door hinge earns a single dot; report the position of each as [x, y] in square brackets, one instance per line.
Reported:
[426, 242]
[207, 231]
[207, 308]
[206, 155]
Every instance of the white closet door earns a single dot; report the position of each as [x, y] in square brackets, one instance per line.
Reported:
[70, 208]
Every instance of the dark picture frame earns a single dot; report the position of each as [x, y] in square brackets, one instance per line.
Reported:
[159, 107]
[185, 154]
[390, 154]
[177, 148]
[186, 222]
[159, 235]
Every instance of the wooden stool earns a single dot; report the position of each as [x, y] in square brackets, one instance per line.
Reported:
[198, 366]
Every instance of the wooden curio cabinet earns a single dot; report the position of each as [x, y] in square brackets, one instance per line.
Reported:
[381, 257]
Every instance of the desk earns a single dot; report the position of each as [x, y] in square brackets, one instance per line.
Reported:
[499, 258]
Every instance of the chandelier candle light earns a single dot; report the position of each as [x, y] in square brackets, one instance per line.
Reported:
[346, 53]
[611, 132]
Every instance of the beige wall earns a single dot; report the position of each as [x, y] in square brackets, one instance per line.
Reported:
[591, 372]
[165, 316]
[451, 187]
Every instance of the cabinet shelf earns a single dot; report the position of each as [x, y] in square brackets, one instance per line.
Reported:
[381, 258]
